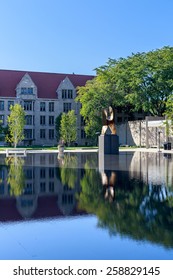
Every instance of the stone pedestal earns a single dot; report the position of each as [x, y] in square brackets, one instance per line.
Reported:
[109, 144]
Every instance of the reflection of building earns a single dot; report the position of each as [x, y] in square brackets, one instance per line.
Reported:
[149, 167]
[43, 96]
[152, 167]
[43, 193]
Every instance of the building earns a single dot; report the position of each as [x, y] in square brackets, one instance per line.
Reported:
[43, 96]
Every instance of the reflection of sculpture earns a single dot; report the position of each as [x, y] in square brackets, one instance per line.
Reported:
[108, 121]
[109, 184]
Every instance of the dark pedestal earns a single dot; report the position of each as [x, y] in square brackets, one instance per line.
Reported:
[109, 144]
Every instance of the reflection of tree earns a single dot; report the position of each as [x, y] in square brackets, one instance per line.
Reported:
[68, 170]
[90, 195]
[133, 213]
[16, 177]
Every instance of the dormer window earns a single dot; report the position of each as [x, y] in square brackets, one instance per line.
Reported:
[26, 90]
[67, 93]
[26, 87]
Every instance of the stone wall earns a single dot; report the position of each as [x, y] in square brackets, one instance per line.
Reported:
[133, 133]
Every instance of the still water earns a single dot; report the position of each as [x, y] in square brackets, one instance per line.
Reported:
[85, 206]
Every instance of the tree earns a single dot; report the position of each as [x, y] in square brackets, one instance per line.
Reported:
[96, 95]
[142, 81]
[57, 126]
[68, 127]
[1, 131]
[169, 115]
[169, 108]
[16, 122]
[145, 80]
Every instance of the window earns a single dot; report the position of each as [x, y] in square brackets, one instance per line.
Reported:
[51, 172]
[28, 174]
[28, 120]
[28, 190]
[10, 103]
[51, 106]
[28, 133]
[51, 120]
[1, 105]
[25, 90]
[51, 186]
[70, 94]
[42, 106]
[1, 119]
[28, 105]
[42, 187]
[66, 107]
[67, 93]
[42, 120]
[67, 199]
[42, 159]
[51, 133]
[42, 133]
[33, 131]
[64, 93]
[42, 173]
[51, 159]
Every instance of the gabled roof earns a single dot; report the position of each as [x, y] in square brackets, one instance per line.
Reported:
[47, 83]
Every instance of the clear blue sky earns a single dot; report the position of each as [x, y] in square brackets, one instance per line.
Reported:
[79, 35]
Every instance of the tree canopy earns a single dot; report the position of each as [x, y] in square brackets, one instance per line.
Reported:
[142, 81]
[68, 127]
[146, 79]
[16, 122]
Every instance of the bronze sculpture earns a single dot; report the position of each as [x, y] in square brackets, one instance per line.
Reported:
[108, 121]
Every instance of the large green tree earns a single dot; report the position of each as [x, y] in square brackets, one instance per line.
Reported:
[16, 122]
[142, 81]
[97, 94]
[146, 79]
[1, 131]
[68, 127]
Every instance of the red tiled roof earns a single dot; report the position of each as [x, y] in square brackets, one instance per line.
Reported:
[47, 83]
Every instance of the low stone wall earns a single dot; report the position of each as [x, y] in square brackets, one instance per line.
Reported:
[134, 134]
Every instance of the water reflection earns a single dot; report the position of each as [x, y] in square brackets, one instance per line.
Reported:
[15, 177]
[131, 193]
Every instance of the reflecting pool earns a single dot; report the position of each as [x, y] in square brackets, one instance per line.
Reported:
[86, 206]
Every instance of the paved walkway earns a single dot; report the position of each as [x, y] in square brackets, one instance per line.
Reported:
[150, 150]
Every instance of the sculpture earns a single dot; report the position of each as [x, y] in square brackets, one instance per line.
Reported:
[108, 121]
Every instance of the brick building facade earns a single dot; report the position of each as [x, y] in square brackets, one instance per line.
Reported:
[43, 96]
